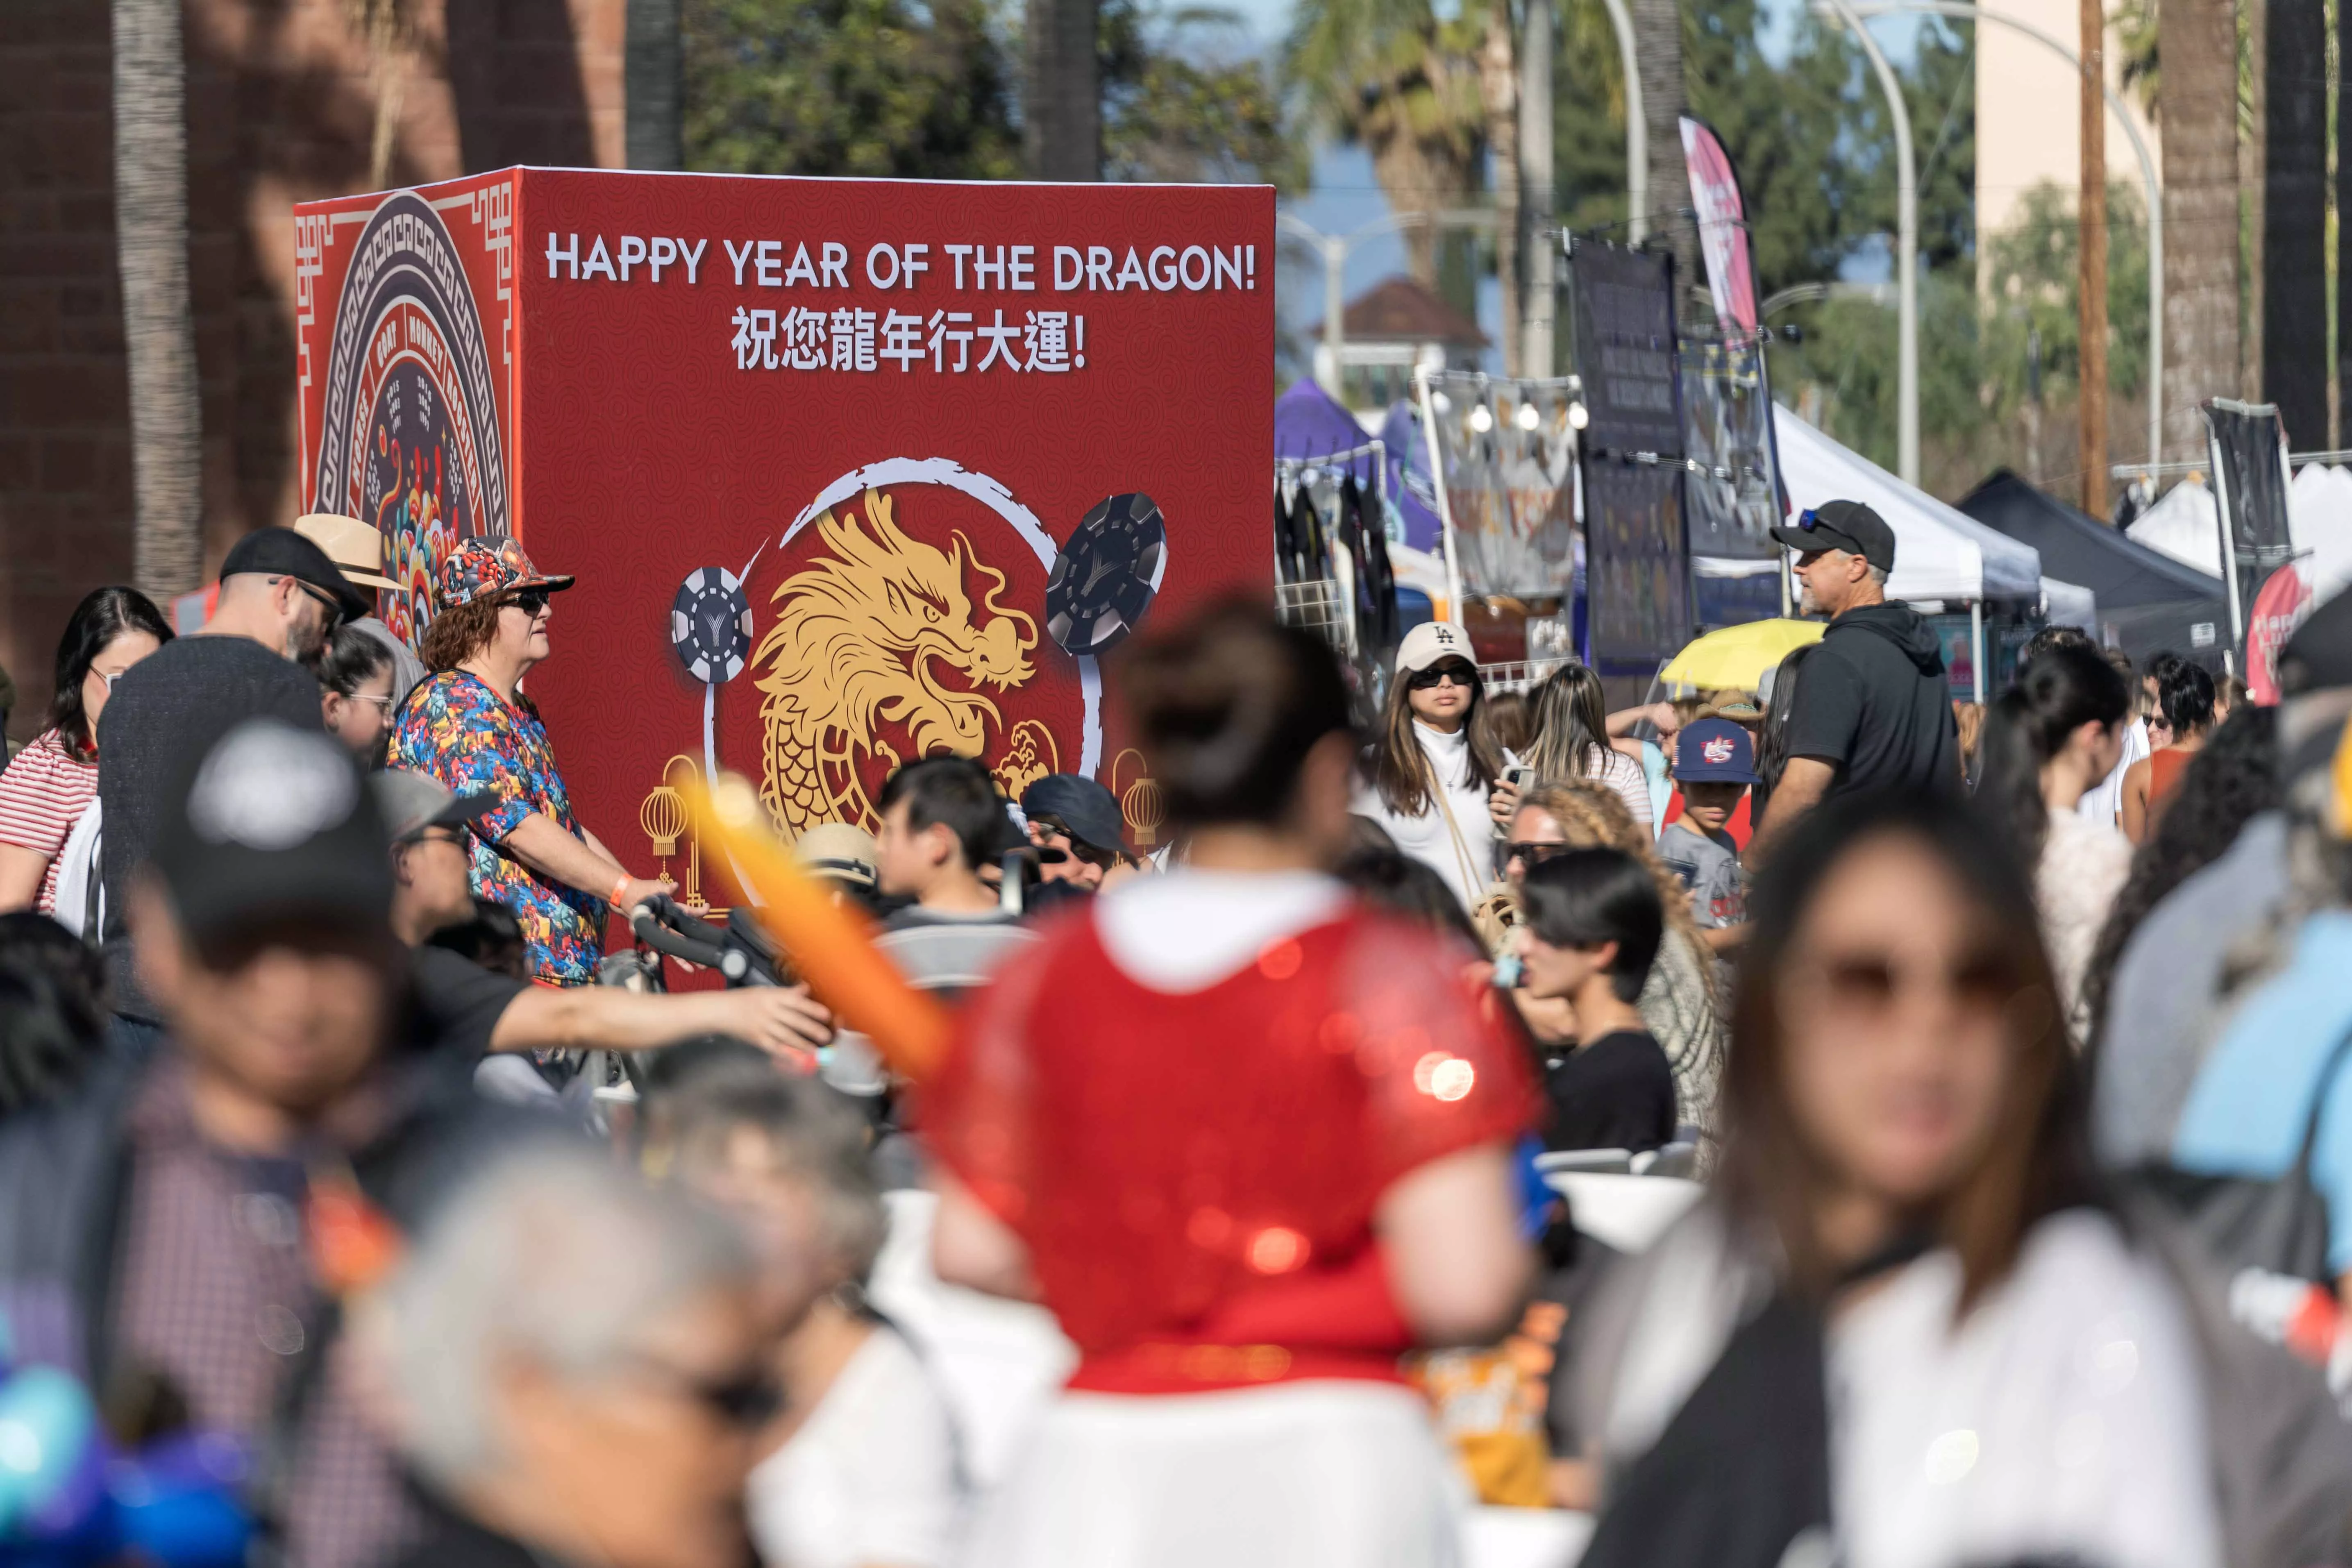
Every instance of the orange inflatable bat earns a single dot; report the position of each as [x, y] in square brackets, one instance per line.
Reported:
[831, 945]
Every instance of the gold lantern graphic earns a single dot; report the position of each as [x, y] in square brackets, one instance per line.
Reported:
[663, 817]
[1140, 802]
[668, 824]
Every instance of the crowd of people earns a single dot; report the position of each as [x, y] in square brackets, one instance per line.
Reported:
[1997, 1051]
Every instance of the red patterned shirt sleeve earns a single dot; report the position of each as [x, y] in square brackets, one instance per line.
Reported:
[1445, 1071]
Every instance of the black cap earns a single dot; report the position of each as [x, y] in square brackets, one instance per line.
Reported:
[282, 553]
[2319, 654]
[273, 826]
[1084, 806]
[1846, 525]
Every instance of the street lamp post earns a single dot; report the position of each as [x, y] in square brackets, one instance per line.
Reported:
[1907, 247]
[1334, 249]
[1963, 10]
[1637, 129]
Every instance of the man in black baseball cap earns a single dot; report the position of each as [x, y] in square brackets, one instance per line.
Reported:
[1871, 710]
[279, 597]
[1078, 816]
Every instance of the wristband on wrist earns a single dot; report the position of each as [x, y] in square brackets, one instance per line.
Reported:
[621, 891]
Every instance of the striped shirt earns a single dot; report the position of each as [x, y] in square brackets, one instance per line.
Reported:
[43, 794]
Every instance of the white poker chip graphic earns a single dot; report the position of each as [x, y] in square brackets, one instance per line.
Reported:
[1717, 750]
[711, 625]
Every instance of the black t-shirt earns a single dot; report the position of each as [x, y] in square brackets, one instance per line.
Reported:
[166, 712]
[1616, 1094]
[455, 1003]
[1873, 703]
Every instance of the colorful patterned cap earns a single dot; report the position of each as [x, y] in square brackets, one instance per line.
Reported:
[481, 567]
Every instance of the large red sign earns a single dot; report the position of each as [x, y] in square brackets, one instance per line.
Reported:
[851, 472]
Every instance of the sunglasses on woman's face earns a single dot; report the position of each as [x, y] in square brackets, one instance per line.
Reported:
[1534, 854]
[1454, 670]
[532, 602]
[1870, 984]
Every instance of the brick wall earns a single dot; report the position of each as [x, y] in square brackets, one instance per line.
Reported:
[282, 108]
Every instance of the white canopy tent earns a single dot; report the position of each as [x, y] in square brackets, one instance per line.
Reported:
[2184, 525]
[1940, 551]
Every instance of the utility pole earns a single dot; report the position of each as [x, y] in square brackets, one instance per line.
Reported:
[2091, 290]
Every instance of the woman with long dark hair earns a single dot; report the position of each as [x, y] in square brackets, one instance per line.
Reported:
[1433, 769]
[1902, 1330]
[2184, 693]
[2051, 738]
[54, 778]
[1248, 1139]
[2234, 779]
[355, 680]
[1569, 728]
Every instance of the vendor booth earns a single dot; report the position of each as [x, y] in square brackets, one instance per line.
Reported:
[1986, 591]
[2148, 601]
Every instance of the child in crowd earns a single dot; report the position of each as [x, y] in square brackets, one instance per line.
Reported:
[1593, 927]
[1714, 765]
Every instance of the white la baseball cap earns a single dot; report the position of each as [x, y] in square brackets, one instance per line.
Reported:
[1430, 642]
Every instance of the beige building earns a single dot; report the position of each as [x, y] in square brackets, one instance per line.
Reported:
[2028, 126]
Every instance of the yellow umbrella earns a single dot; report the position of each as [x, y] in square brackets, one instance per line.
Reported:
[1738, 656]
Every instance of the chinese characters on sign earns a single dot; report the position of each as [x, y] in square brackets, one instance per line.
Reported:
[951, 341]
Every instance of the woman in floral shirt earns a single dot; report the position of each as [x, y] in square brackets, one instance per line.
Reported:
[471, 727]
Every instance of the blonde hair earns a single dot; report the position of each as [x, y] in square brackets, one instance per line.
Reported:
[1589, 816]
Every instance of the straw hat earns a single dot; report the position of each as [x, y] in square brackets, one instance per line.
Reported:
[356, 549]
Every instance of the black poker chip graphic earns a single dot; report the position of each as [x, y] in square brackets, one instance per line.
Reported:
[711, 625]
[1104, 579]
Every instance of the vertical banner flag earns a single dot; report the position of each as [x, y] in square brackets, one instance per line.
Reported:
[1722, 226]
[1637, 547]
[851, 472]
[2247, 445]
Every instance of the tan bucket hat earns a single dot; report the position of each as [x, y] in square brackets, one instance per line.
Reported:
[356, 549]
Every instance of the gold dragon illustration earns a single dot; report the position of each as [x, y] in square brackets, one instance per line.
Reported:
[875, 658]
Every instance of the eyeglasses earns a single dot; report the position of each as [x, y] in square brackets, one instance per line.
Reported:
[435, 836]
[532, 602]
[1533, 855]
[1454, 670]
[107, 677]
[384, 702]
[748, 1399]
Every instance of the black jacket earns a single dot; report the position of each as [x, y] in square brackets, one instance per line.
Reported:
[1871, 701]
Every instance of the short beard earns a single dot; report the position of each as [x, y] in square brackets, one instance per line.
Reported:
[1808, 602]
[306, 644]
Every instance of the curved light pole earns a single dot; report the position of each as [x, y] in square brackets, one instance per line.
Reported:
[1637, 128]
[1335, 248]
[1906, 246]
[1962, 10]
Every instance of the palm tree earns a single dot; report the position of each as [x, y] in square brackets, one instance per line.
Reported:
[1498, 91]
[2197, 97]
[1062, 103]
[1386, 74]
[159, 330]
[1658, 56]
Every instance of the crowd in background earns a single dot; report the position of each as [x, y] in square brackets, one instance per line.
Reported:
[2004, 1041]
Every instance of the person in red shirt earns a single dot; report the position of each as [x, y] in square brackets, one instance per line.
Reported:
[1248, 1140]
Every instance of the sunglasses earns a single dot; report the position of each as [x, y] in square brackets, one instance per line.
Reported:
[1533, 855]
[1454, 670]
[1870, 985]
[334, 606]
[532, 602]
